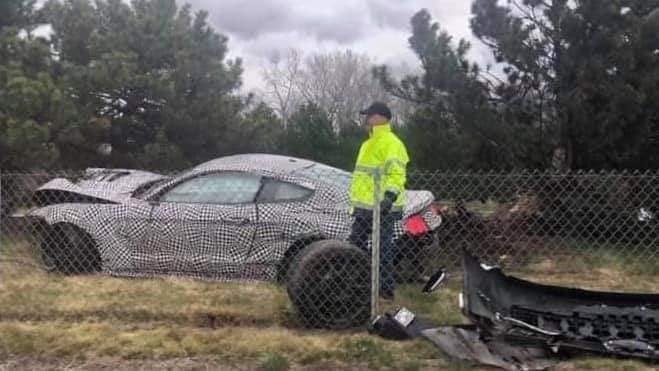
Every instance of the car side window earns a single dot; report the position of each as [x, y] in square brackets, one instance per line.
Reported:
[279, 191]
[220, 188]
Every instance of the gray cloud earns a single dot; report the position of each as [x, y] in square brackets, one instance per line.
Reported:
[245, 19]
[343, 25]
[394, 14]
[258, 30]
[249, 19]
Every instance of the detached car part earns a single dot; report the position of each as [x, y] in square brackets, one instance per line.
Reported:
[521, 325]
[462, 343]
[435, 281]
[402, 325]
[465, 344]
[520, 311]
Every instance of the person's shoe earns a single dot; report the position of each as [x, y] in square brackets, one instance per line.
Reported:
[387, 294]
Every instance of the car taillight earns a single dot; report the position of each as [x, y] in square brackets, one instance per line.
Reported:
[416, 226]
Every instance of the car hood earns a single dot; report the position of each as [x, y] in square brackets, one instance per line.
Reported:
[96, 186]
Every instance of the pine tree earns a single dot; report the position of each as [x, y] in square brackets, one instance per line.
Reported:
[581, 76]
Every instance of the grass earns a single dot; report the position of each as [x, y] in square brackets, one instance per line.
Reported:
[274, 362]
[96, 317]
[86, 317]
[484, 209]
[600, 267]
[605, 364]
[17, 249]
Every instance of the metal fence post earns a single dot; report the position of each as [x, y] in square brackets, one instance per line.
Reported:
[375, 247]
[1, 216]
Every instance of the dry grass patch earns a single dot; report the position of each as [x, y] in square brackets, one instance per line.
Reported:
[232, 344]
[87, 317]
[35, 296]
[155, 320]
[606, 364]
[602, 270]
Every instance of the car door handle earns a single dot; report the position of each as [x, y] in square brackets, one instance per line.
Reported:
[238, 220]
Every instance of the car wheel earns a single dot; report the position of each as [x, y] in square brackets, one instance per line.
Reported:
[69, 250]
[329, 285]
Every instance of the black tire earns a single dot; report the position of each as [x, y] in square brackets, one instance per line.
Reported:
[284, 265]
[329, 285]
[67, 249]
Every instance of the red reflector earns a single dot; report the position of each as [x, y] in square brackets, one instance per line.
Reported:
[415, 225]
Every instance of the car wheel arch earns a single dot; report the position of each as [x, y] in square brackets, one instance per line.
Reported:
[90, 250]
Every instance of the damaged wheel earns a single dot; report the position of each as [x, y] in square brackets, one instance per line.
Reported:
[329, 285]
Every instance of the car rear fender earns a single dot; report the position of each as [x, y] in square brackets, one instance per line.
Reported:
[45, 219]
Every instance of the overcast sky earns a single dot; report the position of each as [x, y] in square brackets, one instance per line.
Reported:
[258, 29]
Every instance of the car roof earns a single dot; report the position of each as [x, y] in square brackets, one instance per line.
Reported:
[256, 161]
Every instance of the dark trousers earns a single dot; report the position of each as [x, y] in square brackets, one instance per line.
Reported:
[362, 229]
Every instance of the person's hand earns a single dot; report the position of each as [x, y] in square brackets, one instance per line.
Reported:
[388, 202]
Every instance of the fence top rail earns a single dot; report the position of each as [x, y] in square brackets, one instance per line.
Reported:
[653, 173]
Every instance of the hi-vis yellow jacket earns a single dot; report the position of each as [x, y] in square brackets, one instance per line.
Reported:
[382, 156]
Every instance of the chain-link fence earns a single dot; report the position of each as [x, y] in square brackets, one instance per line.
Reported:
[293, 224]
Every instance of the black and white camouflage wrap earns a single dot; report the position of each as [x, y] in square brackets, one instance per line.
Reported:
[139, 235]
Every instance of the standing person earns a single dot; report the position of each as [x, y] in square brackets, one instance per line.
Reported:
[383, 155]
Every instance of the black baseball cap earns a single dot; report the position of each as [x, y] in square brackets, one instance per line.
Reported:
[377, 108]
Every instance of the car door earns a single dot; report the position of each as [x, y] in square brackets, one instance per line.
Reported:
[204, 226]
[284, 215]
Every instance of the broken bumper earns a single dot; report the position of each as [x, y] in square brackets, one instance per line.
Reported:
[522, 312]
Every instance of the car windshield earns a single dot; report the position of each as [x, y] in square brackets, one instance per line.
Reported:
[326, 174]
